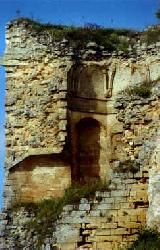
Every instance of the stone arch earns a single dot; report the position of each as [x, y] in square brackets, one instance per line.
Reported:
[88, 150]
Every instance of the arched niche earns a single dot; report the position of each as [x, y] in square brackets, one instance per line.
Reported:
[88, 150]
[86, 81]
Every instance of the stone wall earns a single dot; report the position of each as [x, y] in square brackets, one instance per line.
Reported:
[50, 94]
[35, 97]
[112, 218]
[36, 88]
[153, 189]
[38, 79]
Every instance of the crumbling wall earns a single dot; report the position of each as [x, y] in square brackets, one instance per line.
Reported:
[113, 217]
[153, 189]
[35, 98]
[46, 98]
[36, 105]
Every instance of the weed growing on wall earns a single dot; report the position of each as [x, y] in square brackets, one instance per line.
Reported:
[148, 239]
[128, 166]
[48, 211]
[78, 37]
[143, 90]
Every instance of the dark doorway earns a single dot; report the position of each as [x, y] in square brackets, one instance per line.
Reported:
[88, 150]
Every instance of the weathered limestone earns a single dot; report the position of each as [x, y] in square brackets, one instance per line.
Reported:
[72, 120]
[40, 176]
[153, 190]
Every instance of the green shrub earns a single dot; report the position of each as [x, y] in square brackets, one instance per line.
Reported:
[151, 36]
[128, 166]
[78, 37]
[148, 239]
[77, 191]
[143, 90]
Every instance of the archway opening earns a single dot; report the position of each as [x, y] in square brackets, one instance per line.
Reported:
[88, 150]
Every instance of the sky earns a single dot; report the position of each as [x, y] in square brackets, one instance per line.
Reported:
[134, 14]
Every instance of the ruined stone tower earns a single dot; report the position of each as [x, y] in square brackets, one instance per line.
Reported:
[67, 121]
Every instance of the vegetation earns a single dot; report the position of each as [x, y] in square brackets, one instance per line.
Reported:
[158, 14]
[143, 90]
[151, 36]
[78, 37]
[47, 211]
[148, 239]
[128, 166]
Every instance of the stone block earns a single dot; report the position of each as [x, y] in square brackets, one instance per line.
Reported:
[104, 245]
[109, 238]
[128, 224]
[85, 246]
[62, 125]
[107, 200]
[103, 232]
[85, 206]
[108, 225]
[129, 181]
[104, 206]
[127, 205]
[103, 194]
[138, 175]
[133, 193]
[130, 238]
[146, 175]
[68, 246]
[122, 218]
[95, 213]
[62, 95]
[119, 231]
[120, 199]
[142, 194]
[134, 218]
[110, 213]
[141, 217]
[93, 225]
[119, 193]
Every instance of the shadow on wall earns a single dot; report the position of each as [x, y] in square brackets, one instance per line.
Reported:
[88, 150]
[40, 177]
[85, 87]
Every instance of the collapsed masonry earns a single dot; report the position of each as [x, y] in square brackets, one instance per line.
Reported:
[67, 122]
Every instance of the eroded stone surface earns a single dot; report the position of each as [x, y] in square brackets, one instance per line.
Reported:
[49, 97]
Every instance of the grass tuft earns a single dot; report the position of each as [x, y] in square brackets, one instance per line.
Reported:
[143, 90]
[148, 239]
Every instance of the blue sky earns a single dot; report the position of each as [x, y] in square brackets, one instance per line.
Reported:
[135, 14]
